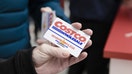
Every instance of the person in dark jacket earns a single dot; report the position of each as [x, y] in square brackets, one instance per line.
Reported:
[43, 59]
[14, 23]
[97, 15]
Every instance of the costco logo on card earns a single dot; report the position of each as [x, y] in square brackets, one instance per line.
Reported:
[67, 37]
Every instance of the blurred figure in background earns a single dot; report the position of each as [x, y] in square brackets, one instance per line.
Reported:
[97, 15]
[14, 23]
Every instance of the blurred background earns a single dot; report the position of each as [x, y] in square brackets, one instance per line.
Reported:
[126, 63]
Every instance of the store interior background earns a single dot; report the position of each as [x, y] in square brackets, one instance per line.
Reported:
[66, 9]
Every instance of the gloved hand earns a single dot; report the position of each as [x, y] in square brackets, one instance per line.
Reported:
[50, 59]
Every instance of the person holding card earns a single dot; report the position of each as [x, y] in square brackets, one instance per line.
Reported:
[43, 59]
